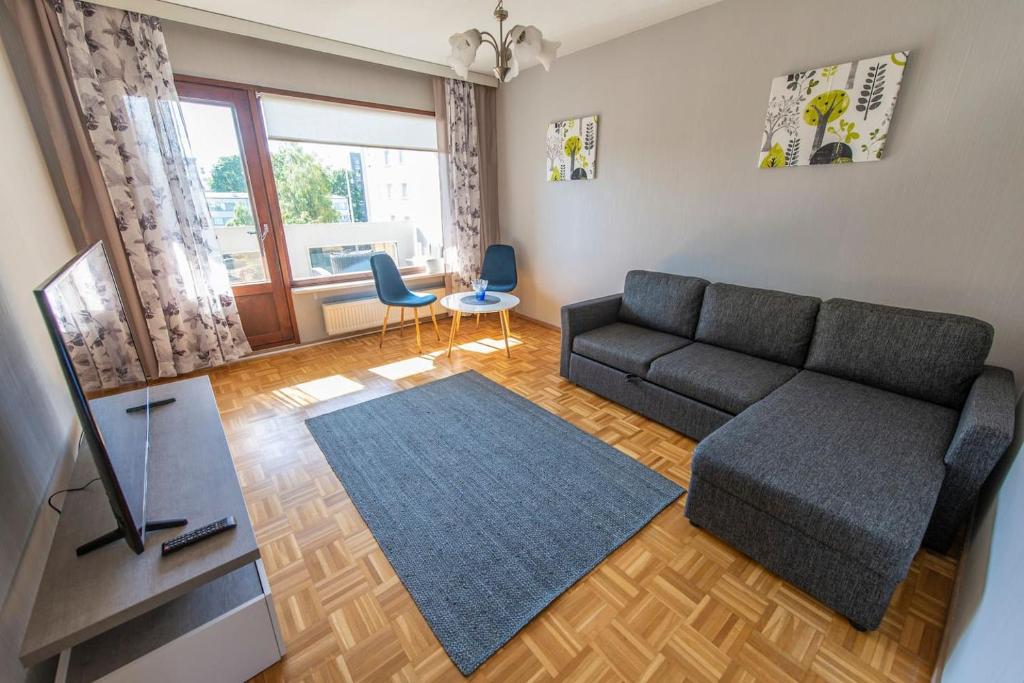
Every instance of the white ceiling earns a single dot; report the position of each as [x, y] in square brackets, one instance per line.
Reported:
[420, 28]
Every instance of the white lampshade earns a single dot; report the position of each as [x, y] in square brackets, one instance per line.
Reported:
[529, 45]
[464, 46]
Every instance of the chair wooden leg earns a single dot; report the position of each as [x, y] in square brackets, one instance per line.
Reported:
[508, 321]
[384, 327]
[416, 318]
[401, 323]
[433, 319]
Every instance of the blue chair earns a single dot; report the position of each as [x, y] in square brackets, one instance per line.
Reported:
[499, 269]
[391, 291]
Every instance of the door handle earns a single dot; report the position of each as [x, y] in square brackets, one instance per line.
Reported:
[264, 231]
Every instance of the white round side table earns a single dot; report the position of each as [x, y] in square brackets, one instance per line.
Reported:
[459, 304]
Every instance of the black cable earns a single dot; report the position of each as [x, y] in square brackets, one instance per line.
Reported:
[49, 501]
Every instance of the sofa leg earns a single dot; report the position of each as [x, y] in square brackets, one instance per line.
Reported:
[693, 523]
[858, 627]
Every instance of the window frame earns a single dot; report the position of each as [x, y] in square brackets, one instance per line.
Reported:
[263, 144]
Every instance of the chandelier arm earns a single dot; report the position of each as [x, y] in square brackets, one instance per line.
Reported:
[486, 37]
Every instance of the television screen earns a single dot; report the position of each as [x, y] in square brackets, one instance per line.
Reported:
[87, 323]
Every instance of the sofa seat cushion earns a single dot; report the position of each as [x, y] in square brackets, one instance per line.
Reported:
[626, 347]
[853, 467]
[728, 380]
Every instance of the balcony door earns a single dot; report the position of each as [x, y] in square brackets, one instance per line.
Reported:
[225, 130]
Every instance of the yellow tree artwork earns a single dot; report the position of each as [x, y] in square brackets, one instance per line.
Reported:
[571, 152]
[833, 114]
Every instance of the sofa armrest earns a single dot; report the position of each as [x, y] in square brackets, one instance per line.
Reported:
[585, 316]
[982, 437]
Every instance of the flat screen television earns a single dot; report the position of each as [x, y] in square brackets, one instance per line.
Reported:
[85, 316]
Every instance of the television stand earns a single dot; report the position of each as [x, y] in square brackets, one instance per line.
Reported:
[118, 534]
[205, 613]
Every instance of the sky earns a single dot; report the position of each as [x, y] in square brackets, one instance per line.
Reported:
[211, 133]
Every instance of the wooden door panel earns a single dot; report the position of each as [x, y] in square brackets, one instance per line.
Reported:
[262, 324]
[260, 281]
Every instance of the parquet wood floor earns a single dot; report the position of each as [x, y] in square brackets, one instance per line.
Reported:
[672, 604]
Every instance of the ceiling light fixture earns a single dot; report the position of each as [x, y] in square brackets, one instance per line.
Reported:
[515, 50]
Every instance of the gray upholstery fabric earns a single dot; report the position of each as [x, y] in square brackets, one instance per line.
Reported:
[839, 581]
[982, 436]
[855, 467]
[673, 410]
[692, 418]
[663, 302]
[626, 347]
[932, 356]
[583, 317]
[728, 380]
[615, 385]
[761, 322]
[829, 478]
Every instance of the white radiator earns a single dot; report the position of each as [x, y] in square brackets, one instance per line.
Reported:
[358, 315]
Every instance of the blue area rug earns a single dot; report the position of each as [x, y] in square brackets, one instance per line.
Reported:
[487, 506]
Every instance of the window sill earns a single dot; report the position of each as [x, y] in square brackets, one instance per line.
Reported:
[361, 284]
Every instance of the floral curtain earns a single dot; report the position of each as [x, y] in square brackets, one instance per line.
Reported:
[125, 88]
[463, 166]
[92, 324]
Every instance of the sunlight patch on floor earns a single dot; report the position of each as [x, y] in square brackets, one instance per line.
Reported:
[488, 345]
[406, 368]
[317, 390]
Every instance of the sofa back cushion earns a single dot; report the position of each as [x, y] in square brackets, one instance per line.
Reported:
[761, 322]
[663, 302]
[931, 356]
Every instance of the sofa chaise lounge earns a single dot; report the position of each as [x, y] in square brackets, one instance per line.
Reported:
[835, 437]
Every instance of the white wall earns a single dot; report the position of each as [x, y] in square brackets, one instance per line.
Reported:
[985, 626]
[935, 225]
[229, 57]
[37, 423]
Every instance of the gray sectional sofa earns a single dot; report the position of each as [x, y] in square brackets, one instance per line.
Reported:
[835, 437]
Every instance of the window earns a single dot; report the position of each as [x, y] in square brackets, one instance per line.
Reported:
[218, 156]
[343, 174]
[244, 266]
[343, 259]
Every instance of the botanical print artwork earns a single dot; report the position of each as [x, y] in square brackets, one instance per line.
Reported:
[832, 114]
[572, 149]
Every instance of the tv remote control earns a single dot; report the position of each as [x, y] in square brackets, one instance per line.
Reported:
[196, 535]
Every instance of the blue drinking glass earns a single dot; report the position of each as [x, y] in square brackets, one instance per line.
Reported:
[480, 288]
